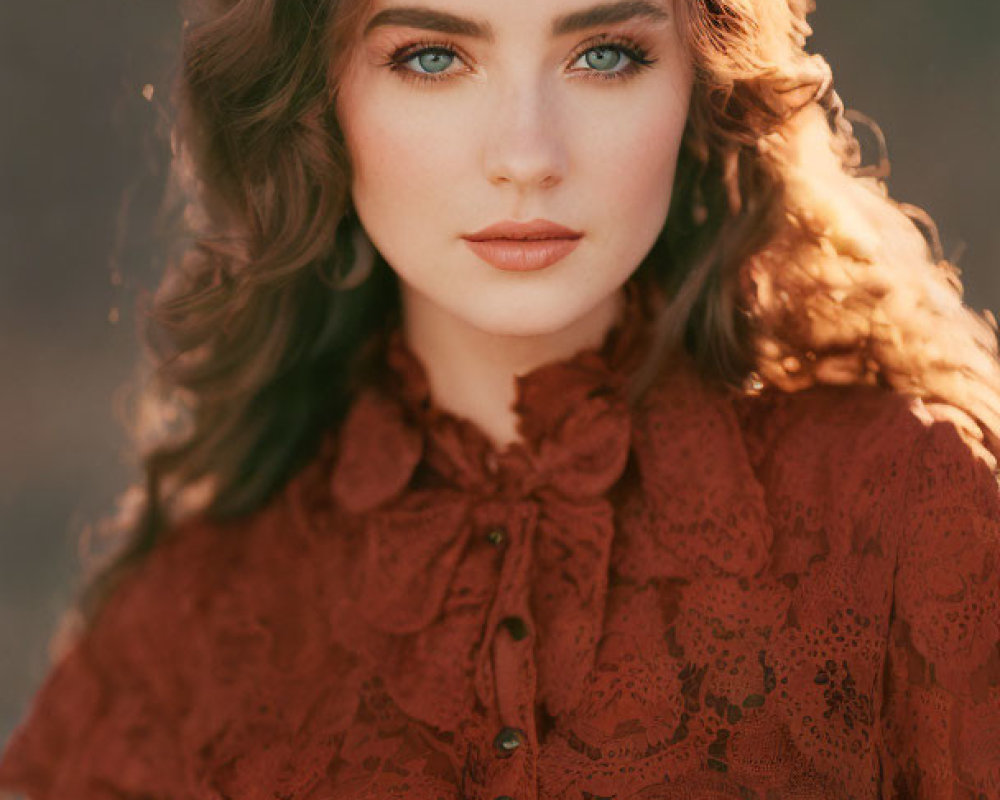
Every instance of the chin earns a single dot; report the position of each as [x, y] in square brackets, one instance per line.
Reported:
[528, 317]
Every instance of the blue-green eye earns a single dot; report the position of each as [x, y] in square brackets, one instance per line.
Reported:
[433, 60]
[604, 59]
[613, 60]
[423, 61]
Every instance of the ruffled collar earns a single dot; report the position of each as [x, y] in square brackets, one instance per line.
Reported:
[423, 483]
[573, 415]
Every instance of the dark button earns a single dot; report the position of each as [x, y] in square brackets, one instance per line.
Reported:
[503, 797]
[516, 626]
[507, 741]
[497, 536]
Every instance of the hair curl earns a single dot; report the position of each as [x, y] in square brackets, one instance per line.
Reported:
[784, 260]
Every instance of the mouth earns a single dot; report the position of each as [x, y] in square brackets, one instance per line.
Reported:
[523, 246]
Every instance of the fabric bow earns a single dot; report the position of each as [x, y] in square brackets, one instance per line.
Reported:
[430, 486]
[432, 598]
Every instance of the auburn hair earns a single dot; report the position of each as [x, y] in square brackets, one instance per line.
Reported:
[783, 259]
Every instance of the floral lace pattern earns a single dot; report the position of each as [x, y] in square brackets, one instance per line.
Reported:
[709, 596]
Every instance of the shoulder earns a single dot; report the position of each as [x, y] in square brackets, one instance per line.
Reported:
[161, 616]
[183, 603]
[865, 425]
[192, 561]
[825, 417]
[220, 618]
[863, 448]
[280, 561]
[810, 424]
[923, 492]
[946, 584]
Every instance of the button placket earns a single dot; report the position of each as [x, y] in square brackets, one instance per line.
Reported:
[514, 672]
[507, 676]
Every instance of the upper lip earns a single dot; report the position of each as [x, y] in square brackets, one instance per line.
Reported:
[535, 229]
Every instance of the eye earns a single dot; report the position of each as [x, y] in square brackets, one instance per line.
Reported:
[423, 61]
[432, 60]
[604, 58]
[613, 60]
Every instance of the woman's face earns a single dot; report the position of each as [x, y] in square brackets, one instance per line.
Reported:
[459, 114]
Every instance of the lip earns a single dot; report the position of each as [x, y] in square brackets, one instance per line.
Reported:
[523, 255]
[523, 246]
[535, 229]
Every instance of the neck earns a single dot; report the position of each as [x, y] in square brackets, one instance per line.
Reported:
[472, 372]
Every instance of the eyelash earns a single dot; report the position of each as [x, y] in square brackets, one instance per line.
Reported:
[638, 58]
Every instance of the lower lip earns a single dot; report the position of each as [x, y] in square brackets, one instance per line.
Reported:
[523, 255]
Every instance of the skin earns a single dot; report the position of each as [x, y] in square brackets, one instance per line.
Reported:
[517, 128]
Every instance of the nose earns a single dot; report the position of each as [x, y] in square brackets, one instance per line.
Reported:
[523, 144]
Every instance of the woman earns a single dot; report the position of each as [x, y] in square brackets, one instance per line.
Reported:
[565, 413]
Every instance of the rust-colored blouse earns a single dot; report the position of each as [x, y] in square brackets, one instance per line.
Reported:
[713, 595]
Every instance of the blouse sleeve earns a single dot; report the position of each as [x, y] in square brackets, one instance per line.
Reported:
[104, 723]
[940, 721]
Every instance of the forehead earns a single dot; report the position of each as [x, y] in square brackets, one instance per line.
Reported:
[477, 18]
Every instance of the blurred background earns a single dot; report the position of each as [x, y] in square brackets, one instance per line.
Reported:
[83, 151]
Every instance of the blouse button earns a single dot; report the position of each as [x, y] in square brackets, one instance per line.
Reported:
[507, 741]
[503, 797]
[516, 627]
[497, 536]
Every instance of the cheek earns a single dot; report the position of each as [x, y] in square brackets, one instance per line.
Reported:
[634, 156]
[406, 167]
[405, 152]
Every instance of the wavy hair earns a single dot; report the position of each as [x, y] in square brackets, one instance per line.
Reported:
[784, 260]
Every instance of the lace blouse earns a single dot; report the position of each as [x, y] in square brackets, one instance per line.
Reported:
[711, 595]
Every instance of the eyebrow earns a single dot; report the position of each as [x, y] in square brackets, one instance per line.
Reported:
[445, 22]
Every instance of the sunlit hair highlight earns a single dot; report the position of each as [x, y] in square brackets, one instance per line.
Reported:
[785, 262]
